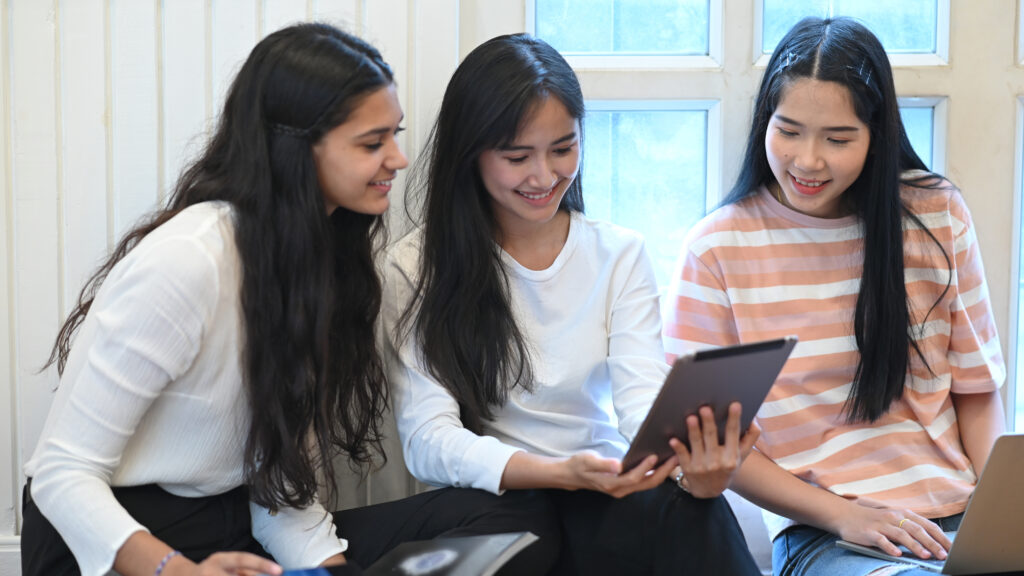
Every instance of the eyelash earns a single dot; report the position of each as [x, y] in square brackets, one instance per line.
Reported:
[559, 151]
[379, 144]
[791, 134]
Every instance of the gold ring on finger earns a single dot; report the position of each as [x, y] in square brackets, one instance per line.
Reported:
[901, 523]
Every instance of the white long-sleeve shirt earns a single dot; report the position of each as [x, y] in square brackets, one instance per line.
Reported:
[152, 394]
[592, 322]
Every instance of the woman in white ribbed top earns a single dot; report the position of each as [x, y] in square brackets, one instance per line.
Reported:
[228, 341]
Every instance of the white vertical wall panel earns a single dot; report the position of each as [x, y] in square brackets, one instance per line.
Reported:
[35, 188]
[387, 26]
[133, 70]
[279, 13]
[8, 462]
[83, 179]
[345, 14]
[234, 29]
[435, 55]
[185, 87]
[484, 19]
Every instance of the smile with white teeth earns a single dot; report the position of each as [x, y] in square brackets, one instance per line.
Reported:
[380, 183]
[529, 196]
[808, 183]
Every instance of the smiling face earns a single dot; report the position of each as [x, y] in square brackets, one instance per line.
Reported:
[357, 160]
[816, 146]
[527, 178]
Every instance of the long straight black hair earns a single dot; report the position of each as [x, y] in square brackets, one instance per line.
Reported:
[461, 312]
[843, 51]
[310, 294]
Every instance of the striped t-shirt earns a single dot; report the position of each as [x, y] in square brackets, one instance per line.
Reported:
[756, 270]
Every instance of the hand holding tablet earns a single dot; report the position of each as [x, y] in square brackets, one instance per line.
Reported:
[713, 378]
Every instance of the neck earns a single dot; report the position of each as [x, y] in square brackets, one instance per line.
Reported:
[536, 246]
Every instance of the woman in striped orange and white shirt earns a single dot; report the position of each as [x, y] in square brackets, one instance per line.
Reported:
[883, 418]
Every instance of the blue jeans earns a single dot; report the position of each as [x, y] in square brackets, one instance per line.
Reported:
[803, 550]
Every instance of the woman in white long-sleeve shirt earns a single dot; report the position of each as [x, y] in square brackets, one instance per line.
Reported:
[225, 351]
[527, 337]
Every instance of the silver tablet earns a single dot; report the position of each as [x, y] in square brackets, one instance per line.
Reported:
[715, 377]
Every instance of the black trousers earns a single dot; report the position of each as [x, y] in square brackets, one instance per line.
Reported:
[374, 530]
[197, 527]
[658, 532]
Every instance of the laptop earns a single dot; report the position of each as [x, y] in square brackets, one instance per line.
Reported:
[714, 377]
[989, 540]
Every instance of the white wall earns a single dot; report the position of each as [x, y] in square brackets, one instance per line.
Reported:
[101, 101]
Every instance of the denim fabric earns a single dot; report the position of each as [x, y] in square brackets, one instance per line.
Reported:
[803, 550]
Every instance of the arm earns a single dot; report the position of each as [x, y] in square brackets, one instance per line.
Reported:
[698, 314]
[436, 446]
[144, 331]
[767, 485]
[298, 538]
[975, 358]
[981, 420]
[143, 550]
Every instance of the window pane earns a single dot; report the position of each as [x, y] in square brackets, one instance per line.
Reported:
[624, 26]
[919, 124]
[903, 26]
[647, 170]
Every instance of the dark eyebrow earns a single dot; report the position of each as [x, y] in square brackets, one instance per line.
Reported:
[826, 128]
[380, 131]
[375, 132]
[513, 148]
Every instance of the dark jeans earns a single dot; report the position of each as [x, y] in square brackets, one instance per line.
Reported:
[197, 527]
[372, 531]
[658, 532]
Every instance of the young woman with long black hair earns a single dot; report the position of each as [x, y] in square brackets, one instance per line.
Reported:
[528, 337]
[835, 231]
[225, 352]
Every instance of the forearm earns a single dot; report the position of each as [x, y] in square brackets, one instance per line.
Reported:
[526, 471]
[336, 560]
[142, 553]
[767, 485]
[981, 420]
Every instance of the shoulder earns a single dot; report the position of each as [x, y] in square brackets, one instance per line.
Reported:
[189, 253]
[725, 223]
[207, 226]
[606, 235]
[402, 258]
[934, 199]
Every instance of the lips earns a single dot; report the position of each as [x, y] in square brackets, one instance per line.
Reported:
[382, 185]
[536, 195]
[806, 186]
[541, 198]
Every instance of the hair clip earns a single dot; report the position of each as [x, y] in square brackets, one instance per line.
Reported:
[289, 130]
[863, 72]
[790, 60]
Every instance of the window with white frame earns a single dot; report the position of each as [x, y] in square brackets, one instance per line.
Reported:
[625, 27]
[903, 26]
[656, 165]
[645, 166]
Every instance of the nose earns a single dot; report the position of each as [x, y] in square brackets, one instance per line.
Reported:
[542, 176]
[396, 159]
[808, 157]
